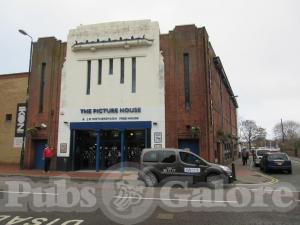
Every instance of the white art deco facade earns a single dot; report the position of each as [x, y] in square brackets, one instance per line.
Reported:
[112, 100]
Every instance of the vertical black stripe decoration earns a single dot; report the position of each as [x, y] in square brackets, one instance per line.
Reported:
[133, 75]
[88, 86]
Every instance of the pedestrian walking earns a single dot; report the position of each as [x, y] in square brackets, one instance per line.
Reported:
[47, 155]
[245, 156]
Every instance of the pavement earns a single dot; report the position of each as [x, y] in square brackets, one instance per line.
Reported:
[245, 174]
[14, 170]
[294, 158]
[248, 174]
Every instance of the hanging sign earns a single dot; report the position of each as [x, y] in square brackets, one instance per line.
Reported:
[20, 120]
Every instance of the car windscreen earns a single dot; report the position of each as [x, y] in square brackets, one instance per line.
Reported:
[261, 152]
[277, 157]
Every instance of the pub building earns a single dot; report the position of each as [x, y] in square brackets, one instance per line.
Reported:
[116, 88]
[111, 96]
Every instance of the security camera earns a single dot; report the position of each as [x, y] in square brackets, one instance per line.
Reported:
[43, 125]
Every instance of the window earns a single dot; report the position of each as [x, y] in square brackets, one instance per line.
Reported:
[111, 66]
[150, 156]
[8, 117]
[209, 76]
[42, 86]
[133, 88]
[122, 71]
[211, 113]
[99, 71]
[88, 84]
[186, 81]
[167, 156]
[190, 158]
[277, 157]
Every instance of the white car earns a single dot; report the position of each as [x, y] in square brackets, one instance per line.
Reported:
[258, 154]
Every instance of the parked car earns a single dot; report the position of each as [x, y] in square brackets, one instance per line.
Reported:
[158, 165]
[259, 152]
[276, 161]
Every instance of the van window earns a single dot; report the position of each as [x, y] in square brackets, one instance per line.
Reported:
[261, 152]
[150, 156]
[189, 158]
[167, 156]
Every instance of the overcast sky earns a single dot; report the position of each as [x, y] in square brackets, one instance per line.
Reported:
[258, 41]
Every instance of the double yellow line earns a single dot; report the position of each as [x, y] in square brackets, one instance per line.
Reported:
[273, 180]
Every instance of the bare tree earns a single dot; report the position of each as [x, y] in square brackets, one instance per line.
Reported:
[288, 130]
[250, 132]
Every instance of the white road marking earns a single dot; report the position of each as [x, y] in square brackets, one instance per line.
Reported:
[273, 190]
[176, 199]
[32, 193]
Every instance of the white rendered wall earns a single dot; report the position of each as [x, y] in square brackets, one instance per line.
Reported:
[111, 93]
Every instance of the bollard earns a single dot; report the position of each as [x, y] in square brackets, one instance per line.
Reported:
[233, 171]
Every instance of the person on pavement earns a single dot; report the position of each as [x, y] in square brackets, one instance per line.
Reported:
[245, 156]
[47, 155]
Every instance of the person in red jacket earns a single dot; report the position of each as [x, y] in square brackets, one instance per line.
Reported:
[47, 155]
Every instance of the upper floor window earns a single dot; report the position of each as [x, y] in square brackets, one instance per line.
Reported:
[42, 87]
[111, 66]
[88, 84]
[209, 76]
[122, 71]
[99, 71]
[133, 88]
[186, 74]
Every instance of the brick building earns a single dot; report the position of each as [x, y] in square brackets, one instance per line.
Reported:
[200, 104]
[12, 95]
[43, 104]
[200, 107]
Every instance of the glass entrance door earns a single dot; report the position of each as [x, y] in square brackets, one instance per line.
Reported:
[85, 150]
[110, 148]
[134, 144]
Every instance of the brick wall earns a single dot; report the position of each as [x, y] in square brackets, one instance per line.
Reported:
[12, 91]
[212, 107]
[185, 39]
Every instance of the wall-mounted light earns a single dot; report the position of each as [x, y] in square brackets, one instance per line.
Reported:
[66, 122]
[155, 123]
[41, 126]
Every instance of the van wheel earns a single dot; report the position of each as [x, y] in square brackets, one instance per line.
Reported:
[215, 180]
[150, 180]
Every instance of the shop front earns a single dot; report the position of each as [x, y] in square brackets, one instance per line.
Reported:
[98, 146]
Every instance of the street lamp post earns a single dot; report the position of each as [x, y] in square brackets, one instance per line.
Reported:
[27, 96]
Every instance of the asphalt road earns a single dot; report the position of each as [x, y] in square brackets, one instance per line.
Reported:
[293, 178]
[24, 201]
